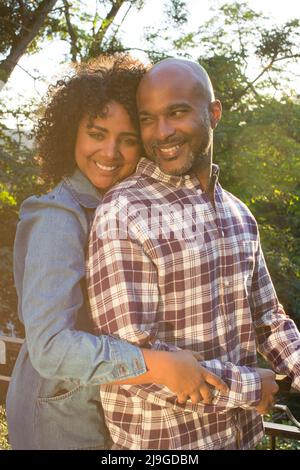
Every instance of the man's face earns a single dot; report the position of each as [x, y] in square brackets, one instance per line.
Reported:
[175, 121]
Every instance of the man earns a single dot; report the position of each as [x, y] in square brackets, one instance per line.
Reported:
[190, 274]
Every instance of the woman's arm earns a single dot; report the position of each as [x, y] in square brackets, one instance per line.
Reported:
[49, 264]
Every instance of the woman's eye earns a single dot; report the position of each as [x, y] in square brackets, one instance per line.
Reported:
[96, 135]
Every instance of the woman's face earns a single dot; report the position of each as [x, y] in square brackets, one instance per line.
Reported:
[107, 148]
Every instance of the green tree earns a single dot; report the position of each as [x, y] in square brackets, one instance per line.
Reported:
[25, 25]
[18, 180]
[257, 141]
[20, 24]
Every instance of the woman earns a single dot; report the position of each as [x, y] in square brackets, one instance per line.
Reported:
[87, 139]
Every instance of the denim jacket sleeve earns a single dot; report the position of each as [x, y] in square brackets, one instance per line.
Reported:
[49, 265]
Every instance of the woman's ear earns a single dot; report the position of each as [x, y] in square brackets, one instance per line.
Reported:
[215, 111]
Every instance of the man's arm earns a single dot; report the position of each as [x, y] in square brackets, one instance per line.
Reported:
[49, 259]
[248, 387]
[277, 335]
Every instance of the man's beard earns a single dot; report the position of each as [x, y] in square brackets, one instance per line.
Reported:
[198, 159]
[196, 162]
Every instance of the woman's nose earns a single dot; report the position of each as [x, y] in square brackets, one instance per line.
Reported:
[110, 149]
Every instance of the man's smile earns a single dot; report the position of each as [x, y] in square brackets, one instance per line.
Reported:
[168, 152]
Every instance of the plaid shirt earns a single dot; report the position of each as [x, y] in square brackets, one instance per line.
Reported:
[208, 290]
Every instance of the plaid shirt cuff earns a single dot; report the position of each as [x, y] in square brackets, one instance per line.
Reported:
[244, 384]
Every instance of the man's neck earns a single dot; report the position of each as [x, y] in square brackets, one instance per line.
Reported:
[204, 178]
[203, 170]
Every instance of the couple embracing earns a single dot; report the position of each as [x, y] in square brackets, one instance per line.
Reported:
[141, 338]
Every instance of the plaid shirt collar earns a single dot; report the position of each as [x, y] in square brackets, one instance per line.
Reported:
[148, 168]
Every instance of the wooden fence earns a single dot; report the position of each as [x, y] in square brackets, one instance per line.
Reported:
[9, 349]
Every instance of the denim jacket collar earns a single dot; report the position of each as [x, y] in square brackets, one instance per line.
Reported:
[82, 190]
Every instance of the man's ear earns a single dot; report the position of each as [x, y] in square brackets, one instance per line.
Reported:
[215, 111]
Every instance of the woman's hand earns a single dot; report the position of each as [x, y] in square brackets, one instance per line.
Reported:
[181, 373]
[189, 380]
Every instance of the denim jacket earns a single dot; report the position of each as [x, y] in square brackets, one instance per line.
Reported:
[53, 397]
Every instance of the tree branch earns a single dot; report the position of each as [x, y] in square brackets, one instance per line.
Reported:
[72, 34]
[22, 9]
[100, 34]
[123, 19]
[267, 68]
[28, 73]
[146, 51]
[24, 38]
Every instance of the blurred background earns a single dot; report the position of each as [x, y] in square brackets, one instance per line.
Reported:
[251, 51]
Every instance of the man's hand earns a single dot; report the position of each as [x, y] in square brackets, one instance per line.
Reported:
[188, 379]
[269, 388]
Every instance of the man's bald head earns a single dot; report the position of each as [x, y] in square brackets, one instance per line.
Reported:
[184, 67]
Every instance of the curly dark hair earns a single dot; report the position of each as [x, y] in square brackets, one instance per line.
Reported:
[91, 87]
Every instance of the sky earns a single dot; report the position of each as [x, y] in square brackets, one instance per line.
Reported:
[21, 86]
